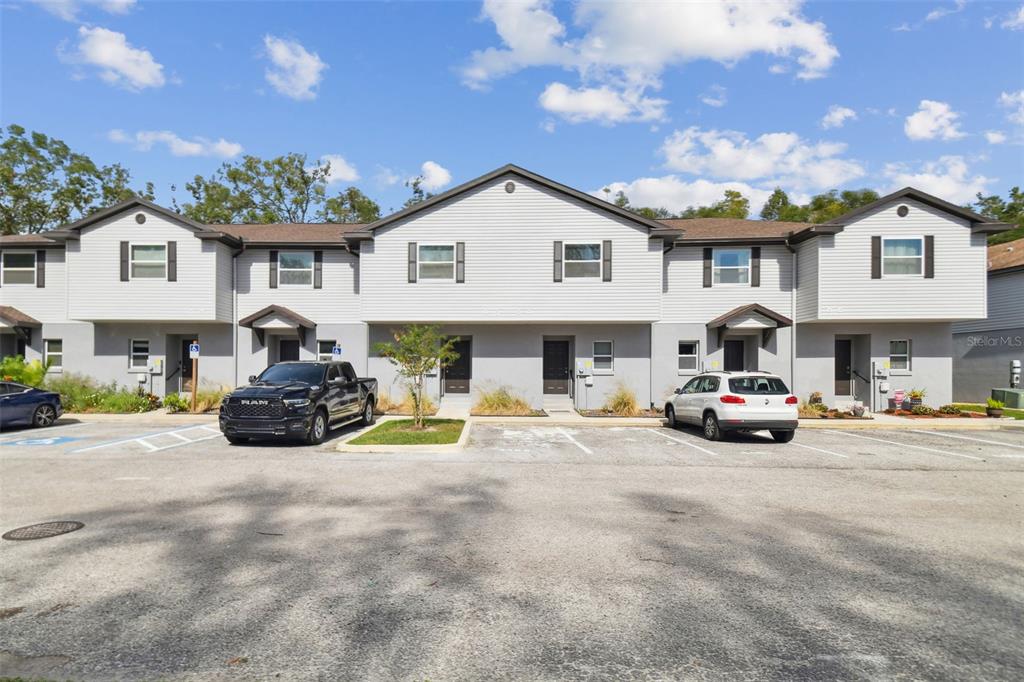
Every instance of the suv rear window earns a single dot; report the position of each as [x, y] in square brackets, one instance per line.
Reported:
[760, 385]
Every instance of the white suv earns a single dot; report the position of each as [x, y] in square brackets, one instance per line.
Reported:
[735, 401]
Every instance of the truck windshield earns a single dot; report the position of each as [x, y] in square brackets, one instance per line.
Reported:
[762, 385]
[288, 373]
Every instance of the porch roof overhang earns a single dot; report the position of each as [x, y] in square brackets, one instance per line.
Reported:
[276, 318]
[18, 322]
[750, 317]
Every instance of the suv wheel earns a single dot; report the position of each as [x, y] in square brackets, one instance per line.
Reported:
[711, 428]
[670, 417]
[368, 417]
[44, 415]
[317, 429]
[783, 436]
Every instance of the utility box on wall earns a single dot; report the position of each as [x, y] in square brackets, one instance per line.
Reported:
[1011, 397]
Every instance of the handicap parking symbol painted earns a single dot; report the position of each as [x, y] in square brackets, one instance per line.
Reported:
[53, 440]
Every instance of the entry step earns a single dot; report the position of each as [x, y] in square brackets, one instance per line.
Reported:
[558, 403]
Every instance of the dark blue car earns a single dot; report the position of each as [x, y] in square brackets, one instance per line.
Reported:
[26, 406]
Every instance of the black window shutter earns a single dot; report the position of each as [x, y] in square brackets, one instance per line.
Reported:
[172, 261]
[929, 257]
[755, 266]
[273, 269]
[606, 256]
[876, 258]
[124, 261]
[412, 262]
[558, 261]
[40, 269]
[318, 269]
[708, 260]
[460, 261]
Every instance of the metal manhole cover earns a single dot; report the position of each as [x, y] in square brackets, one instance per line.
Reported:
[39, 531]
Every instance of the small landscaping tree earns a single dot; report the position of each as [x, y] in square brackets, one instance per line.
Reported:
[417, 350]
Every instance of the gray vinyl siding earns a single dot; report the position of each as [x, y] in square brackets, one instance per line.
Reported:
[686, 301]
[509, 264]
[46, 304]
[96, 292]
[1005, 304]
[337, 301]
[847, 292]
[807, 281]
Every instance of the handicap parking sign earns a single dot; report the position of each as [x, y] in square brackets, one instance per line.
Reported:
[193, 351]
[52, 440]
[336, 352]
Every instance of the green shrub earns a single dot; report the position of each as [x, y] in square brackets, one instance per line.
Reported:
[922, 410]
[995, 404]
[82, 394]
[15, 368]
[622, 402]
[175, 403]
[501, 401]
[950, 409]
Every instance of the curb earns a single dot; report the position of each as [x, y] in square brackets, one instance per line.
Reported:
[449, 447]
[152, 416]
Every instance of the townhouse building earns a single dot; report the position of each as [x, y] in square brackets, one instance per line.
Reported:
[553, 293]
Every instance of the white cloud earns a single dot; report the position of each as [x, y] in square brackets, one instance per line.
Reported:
[119, 63]
[940, 12]
[68, 10]
[933, 120]
[602, 104]
[145, 140]
[294, 72]
[781, 158]
[1014, 21]
[948, 178]
[837, 116]
[548, 125]
[386, 177]
[995, 136]
[676, 195]
[435, 176]
[1014, 101]
[625, 47]
[716, 96]
[341, 170]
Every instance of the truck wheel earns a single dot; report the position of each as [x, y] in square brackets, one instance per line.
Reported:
[711, 428]
[368, 416]
[237, 440]
[317, 429]
[783, 436]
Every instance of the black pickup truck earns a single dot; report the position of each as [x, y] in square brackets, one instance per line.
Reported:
[297, 400]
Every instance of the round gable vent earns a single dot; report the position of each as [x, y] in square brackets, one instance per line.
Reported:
[140, 218]
[902, 211]
[510, 187]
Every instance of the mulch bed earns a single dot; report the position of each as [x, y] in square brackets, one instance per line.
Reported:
[534, 413]
[607, 413]
[938, 415]
[835, 414]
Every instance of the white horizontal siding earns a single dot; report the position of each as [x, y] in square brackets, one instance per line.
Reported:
[336, 302]
[46, 304]
[686, 299]
[225, 287]
[509, 262]
[807, 281]
[847, 292]
[1005, 305]
[94, 269]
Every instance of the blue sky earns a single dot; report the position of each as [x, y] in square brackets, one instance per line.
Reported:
[671, 103]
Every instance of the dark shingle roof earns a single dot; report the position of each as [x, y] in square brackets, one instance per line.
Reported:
[733, 228]
[25, 240]
[1006, 256]
[290, 233]
[16, 318]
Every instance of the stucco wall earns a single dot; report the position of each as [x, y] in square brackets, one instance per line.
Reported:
[981, 362]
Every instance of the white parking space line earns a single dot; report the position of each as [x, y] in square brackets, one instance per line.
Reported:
[31, 433]
[144, 440]
[827, 452]
[683, 442]
[908, 445]
[974, 440]
[181, 445]
[180, 437]
[575, 442]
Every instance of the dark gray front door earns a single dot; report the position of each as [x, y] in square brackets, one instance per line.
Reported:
[734, 355]
[844, 358]
[458, 374]
[556, 367]
[288, 350]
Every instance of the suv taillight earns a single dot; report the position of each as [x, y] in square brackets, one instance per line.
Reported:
[791, 400]
[733, 400]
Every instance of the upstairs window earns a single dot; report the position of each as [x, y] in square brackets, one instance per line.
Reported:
[732, 266]
[899, 355]
[582, 260]
[437, 261]
[139, 354]
[604, 357]
[903, 256]
[149, 261]
[688, 351]
[19, 268]
[295, 269]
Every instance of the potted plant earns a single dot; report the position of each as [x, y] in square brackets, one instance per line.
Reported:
[916, 396]
[995, 408]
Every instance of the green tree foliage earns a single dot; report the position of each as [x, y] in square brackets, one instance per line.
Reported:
[732, 205]
[417, 350]
[44, 184]
[1009, 211]
[821, 208]
[418, 193]
[284, 189]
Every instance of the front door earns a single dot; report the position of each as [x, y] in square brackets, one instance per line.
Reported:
[458, 374]
[844, 377]
[288, 350]
[734, 355]
[186, 365]
[556, 367]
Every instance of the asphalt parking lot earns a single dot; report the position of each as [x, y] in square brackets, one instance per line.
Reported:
[538, 552]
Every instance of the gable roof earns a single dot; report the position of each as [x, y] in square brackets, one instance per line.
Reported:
[202, 231]
[725, 318]
[979, 223]
[1006, 256]
[13, 317]
[509, 169]
[280, 311]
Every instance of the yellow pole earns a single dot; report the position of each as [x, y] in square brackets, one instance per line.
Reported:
[195, 378]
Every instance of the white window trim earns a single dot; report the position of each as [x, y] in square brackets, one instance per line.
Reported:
[714, 268]
[325, 357]
[909, 355]
[420, 261]
[3, 269]
[47, 355]
[695, 356]
[594, 356]
[132, 262]
[132, 354]
[919, 275]
[311, 269]
[600, 261]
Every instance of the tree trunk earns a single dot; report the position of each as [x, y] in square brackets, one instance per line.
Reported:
[417, 402]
